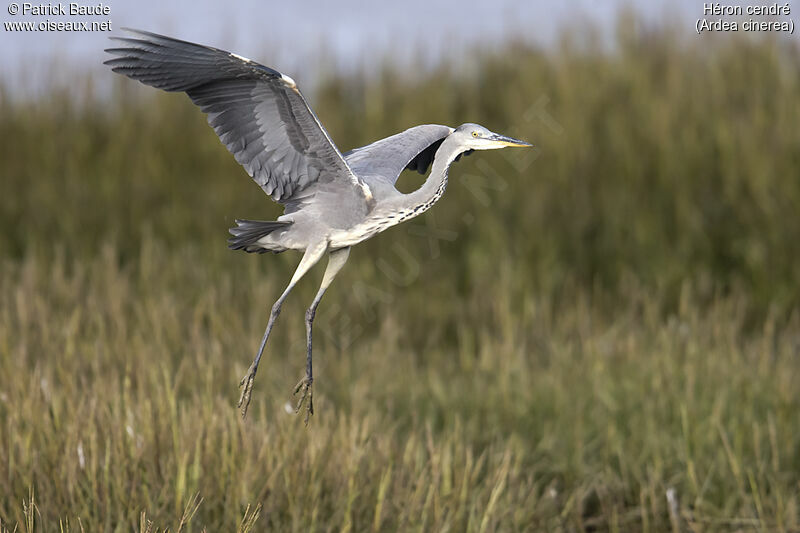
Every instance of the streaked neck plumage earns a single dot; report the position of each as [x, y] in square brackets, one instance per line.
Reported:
[429, 193]
[404, 206]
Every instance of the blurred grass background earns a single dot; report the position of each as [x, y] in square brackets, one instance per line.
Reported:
[607, 319]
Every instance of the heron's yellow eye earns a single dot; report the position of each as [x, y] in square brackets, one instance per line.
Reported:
[474, 133]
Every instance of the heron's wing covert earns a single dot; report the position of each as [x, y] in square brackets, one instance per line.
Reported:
[412, 149]
[257, 112]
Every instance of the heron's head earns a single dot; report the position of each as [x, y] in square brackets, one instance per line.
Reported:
[476, 137]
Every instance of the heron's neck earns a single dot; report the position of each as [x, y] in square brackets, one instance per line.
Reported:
[423, 198]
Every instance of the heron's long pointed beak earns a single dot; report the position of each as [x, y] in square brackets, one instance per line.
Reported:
[508, 141]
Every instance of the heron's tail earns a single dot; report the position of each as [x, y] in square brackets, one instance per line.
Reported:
[247, 233]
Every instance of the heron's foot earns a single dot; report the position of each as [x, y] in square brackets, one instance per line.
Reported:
[303, 387]
[247, 389]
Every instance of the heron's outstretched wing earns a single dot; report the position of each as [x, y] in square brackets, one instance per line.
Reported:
[412, 149]
[257, 112]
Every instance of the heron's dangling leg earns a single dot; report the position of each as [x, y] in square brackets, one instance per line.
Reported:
[310, 258]
[336, 261]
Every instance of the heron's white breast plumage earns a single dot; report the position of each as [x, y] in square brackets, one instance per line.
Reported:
[382, 220]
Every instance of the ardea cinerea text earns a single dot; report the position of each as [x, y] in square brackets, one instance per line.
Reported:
[332, 200]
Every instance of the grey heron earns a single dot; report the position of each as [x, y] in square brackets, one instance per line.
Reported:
[332, 200]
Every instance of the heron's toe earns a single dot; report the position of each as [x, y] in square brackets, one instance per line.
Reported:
[304, 388]
[246, 384]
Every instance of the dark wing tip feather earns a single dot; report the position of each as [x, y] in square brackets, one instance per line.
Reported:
[423, 159]
[117, 51]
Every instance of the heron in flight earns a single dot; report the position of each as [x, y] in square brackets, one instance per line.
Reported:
[332, 200]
